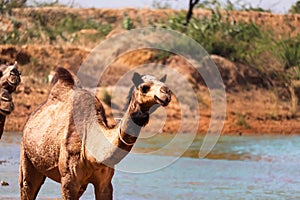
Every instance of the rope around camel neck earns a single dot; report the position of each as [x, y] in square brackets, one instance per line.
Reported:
[122, 140]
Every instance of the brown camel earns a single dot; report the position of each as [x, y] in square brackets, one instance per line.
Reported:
[76, 154]
[9, 80]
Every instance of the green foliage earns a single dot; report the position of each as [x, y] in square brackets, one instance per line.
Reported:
[222, 36]
[237, 5]
[73, 23]
[160, 5]
[288, 50]
[8, 5]
[45, 3]
[241, 121]
[256, 9]
[161, 55]
[48, 27]
[230, 5]
[208, 4]
[295, 8]
[176, 22]
[12, 37]
[127, 23]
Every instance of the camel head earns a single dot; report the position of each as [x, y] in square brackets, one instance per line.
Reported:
[150, 92]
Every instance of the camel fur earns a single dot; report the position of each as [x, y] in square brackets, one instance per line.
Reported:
[68, 139]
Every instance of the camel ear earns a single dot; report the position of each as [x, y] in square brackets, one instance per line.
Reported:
[163, 79]
[137, 79]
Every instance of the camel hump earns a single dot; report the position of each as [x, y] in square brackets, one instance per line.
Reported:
[64, 76]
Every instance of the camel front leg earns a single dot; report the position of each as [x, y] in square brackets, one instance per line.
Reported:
[102, 183]
[69, 188]
[70, 184]
[104, 192]
[30, 179]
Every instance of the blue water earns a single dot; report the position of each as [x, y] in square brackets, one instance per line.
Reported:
[246, 167]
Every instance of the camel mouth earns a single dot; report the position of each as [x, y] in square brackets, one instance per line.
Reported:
[161, 102]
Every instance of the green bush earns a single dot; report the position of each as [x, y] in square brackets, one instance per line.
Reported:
[241, 121]
[295, 8]
[160, 5]
[12, 37]
[230, 5]
[222, 36]
[66, 25]
[73, 23]
[46, 3]
[8, 5]
[288, 51]
[127, 23]
[49, 27]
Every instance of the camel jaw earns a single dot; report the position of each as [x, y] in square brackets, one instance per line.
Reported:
[161, 102]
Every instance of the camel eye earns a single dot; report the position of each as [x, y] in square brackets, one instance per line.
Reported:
[145, 88]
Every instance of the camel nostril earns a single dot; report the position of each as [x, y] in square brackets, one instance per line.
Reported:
[165, 90]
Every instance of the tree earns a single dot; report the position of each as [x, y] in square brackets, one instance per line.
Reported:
[10, 4]
[189, 14]
[295, 8]
[17, 3]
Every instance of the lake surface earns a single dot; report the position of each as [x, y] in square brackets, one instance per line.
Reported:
[239, 167]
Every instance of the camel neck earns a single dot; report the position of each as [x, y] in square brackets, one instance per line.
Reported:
[131, 124]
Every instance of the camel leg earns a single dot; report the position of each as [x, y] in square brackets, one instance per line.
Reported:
[30, 179]
[2, 122]
[104, 192]
[69, 188]
[102, 183]
[82, 190]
